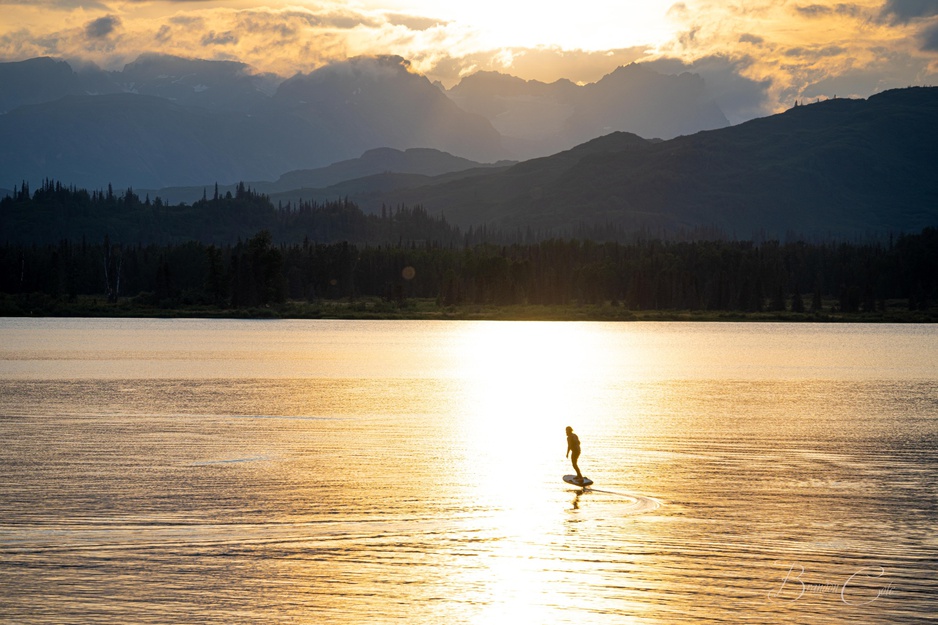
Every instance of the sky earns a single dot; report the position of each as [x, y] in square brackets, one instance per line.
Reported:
[756, 56]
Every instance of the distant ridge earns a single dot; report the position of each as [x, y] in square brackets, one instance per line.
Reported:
[835, 168]
[424, 161]
[348, 177]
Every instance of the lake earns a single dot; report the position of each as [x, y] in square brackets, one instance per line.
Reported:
[192, 471]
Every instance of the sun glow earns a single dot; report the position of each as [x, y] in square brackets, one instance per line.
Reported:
[528, 381]
[588, 25]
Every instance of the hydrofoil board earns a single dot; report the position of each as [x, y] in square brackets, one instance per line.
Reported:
[572, 479]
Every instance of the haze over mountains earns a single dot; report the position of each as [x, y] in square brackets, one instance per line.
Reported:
[536, 118]
[165, 121]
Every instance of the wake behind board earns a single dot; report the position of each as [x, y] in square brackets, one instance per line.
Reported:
[572, 479]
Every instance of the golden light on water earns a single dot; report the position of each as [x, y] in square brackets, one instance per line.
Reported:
[410, 471]
[529, 380]
[525, 381]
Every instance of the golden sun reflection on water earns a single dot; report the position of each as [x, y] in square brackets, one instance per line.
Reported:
[525, 382]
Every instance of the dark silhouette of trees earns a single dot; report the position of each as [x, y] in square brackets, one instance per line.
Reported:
[797, 303]
[238, 250]
[650, 275]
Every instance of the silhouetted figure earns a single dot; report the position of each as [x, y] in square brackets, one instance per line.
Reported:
[573, 444]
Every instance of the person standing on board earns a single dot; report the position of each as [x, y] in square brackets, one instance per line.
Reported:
[573, 445]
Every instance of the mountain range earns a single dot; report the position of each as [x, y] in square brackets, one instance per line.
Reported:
[164, 121]
[837, 168]
[371, 130]
[144, 133]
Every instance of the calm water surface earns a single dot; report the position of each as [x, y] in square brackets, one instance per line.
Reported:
[186, 471]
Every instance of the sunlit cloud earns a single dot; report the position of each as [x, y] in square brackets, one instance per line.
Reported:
[413, 22]
[62, 5]
[545, 64]
[756, 56]
[804, 49]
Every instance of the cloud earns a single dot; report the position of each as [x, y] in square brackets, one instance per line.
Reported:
[815, 53]
[301, 37]
[581, 66]
[820, 11]
[929, 38]
[917, 13]
[413, 22]
[261, 25]
[60, 5]
[903, 11]
[187, 20]
[102, 27]
[814, 10]
[756, 56]
[164, 34]
[543, 64]
[678, 10]
[807, 48]
[348, 21]
[219, 39]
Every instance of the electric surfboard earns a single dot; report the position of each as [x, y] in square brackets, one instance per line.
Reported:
[572, 479]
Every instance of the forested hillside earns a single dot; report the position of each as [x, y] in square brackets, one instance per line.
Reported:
[841, 168]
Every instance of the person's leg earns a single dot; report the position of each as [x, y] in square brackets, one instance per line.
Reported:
[575, 467]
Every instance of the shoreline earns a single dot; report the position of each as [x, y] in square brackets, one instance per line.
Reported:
[428, 309]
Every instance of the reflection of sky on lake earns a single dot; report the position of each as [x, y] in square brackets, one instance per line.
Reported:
[232, 471]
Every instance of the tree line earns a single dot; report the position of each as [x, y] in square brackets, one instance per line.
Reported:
[640, 275]
[55, 212]
[239, 250]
